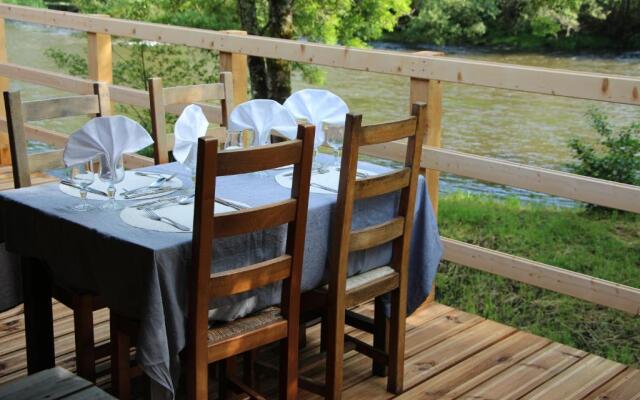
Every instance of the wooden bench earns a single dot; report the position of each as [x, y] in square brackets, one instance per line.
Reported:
[52, 384]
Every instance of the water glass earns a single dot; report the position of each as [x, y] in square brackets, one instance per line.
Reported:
[82, 175]
[111, 175]
[234, 140]
[334, 136]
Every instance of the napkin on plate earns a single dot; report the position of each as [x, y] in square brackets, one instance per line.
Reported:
[262, 116]
[109, 137]
[317, 106]
[191, 125]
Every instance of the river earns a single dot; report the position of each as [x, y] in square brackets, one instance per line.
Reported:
[521, 127]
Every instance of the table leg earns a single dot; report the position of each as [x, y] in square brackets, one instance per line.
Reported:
[38, 316]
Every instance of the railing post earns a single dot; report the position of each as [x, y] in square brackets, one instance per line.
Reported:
[99, 56]
[430, 91]
[237, 65]
[5, 153]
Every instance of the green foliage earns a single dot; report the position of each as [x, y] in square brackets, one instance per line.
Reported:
[606, 246]
[521, 23]
[28, 3]
[616, 155]
[452, 21]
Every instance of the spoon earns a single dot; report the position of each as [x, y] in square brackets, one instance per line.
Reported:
[182, 201]
[153, 185]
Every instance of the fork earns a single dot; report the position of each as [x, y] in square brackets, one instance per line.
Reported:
[152, 215]
[153, 185]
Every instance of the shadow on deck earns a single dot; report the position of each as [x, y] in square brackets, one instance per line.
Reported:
[450, 354]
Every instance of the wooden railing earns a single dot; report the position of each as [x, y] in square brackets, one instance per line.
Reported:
[426, 71]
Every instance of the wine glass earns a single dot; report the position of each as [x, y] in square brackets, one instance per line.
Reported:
[111, 175]
[82, 175]
[334, 135]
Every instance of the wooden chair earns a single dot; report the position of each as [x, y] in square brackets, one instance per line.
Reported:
[176, 98]
[333, 300]
[18, 114]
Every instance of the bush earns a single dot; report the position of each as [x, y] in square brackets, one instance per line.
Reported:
[616, 155]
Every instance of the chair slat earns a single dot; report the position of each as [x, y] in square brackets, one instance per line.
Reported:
[60, 107]
[46, 160]
[193, 93]
[249, 277]
[250, 340]
[387, 132]
[255, 219]
[376, 235]
[212, 112]
[381, 184]
[244, 161]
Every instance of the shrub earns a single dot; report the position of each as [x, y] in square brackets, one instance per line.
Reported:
[615, 156]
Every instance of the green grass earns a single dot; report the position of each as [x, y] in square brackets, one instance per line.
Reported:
[602, 245]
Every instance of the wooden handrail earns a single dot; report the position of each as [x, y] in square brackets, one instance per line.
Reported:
[583, 85]
[581, 286]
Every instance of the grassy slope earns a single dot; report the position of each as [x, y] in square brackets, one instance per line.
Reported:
[605, 246]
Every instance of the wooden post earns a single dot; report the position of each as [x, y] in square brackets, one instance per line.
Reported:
[237, 65]
[99, 56]
[5, 153]
[430, 92]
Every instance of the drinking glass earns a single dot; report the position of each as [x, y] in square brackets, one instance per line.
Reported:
[334, 135]
[111, 175]
[82, 175]
[234, 140]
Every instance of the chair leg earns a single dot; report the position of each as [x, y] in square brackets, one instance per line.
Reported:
[396, 342]
[120, 368]
[380, 335]
[335, 353]
[248, 368]
[288, 372]
[83, 330]
[226, 368]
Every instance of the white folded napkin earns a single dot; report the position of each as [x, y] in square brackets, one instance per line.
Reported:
[109, 137]
[262, 116]
[191, 125]
[317, 106]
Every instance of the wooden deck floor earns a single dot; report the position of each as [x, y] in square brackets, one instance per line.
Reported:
[450, 354]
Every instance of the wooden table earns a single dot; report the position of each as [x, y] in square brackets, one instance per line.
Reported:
[53, 384]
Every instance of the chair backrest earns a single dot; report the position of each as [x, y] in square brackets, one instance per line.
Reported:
[287, 268]
[397, 229]
[175, 99]
[19, 113]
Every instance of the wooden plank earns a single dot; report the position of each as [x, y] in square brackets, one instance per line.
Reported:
[46, 78]
[578, 380]
[559, 280]
[54, 383]
[435, 359]
[383, 183]
[586, 85]
[5, 153]
[376, 235]
[99, 56]
[236, 64]
[471, 372]
[60, 107]
[563, 184]
[625, 386]
[527, 374]
[387, 131]
[256, 275]
[193, 93]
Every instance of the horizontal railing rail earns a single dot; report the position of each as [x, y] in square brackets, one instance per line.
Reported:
[425, 69]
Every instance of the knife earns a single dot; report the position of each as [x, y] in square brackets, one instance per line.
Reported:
[88, 189]
[147, 193]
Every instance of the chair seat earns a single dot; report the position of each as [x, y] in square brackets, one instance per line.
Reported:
[367, 285]
[222, 331]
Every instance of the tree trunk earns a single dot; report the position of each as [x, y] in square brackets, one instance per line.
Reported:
[257, 65]
[280, 26]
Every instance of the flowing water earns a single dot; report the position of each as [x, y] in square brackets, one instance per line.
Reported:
[521, 127]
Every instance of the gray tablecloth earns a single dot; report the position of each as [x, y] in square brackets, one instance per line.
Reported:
[142, 273]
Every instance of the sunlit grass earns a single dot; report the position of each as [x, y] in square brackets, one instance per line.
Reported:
[602, 245]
